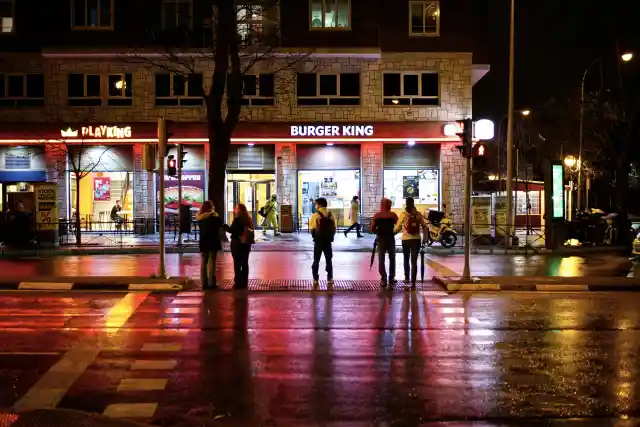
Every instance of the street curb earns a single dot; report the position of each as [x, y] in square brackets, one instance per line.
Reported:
[452, 284]
[93, 286]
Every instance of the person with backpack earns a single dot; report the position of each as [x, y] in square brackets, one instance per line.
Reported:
[323, 230]
[270, 213]
[209, 223]
[382, 225]
[410, 222]
[242, 237]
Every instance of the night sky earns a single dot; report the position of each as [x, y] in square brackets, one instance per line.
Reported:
[555, 41]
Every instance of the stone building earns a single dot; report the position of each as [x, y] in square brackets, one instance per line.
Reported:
[354, 102]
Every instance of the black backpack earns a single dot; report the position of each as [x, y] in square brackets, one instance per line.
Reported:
[325, 228]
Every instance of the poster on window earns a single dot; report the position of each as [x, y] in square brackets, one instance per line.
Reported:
[102, 189]
[192, 191]
[328, 187]
[481, 215]
[410, 186]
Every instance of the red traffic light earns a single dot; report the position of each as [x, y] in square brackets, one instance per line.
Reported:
[172, 163]
[481, 150]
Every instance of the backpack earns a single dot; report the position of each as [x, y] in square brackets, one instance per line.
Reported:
[412, 224]
[326, 228]
[248, 236]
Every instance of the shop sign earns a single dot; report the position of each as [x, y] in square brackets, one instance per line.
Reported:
[557, 191]
[101, 131]
[47, 206]
[332, 130]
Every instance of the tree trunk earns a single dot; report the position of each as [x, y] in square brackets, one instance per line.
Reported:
[218, 153]
[77, 219]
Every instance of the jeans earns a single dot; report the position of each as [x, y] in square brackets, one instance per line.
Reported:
[320, 248]
[355, 225]
[387, 247]
[240, 253]
[411, 247]
[208, 269]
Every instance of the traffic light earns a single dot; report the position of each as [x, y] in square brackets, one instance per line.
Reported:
[164, 134]
[479, 156]
[465, 134]
[171, 166]
[181, 155]
[479, 149]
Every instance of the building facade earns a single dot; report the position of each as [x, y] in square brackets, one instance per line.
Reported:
[354, 102]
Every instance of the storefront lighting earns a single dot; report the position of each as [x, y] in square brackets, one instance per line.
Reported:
[330, 144]
[492, 177]
[250, 145]
[411, 143]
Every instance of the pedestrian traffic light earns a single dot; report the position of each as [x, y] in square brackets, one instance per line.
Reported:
[479, 156]
[465, 134]
[479, 149]
[171, 166]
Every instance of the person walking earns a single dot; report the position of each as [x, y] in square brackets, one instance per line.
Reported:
[209, 223]
[242, 237]
[410, 222]
[323, 230]
[383, 225]
[354, 216]
[270, 212]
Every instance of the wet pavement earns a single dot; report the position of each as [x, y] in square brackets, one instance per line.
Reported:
[297, 265]
[304, 359]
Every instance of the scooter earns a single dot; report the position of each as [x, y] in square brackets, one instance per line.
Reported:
[440, 230]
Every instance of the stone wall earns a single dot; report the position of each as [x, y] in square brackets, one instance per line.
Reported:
[286, 176]
[143, 195]
[454, 70]
[371, 178]
[452, 168]
[57, 172]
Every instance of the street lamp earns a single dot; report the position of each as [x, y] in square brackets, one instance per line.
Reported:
[626, 57]
[570, 161]
[525, 112]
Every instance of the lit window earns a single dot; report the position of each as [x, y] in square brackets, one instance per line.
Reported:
[92, 14]
[333, 14]
[120, 92]
[424, 18]
[6, 15]
[250, 23]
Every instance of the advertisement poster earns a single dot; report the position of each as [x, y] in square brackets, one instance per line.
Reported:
[500, 214]
[192, 191]
[557, 191]
[47, 206]
[328, 187]
[102, 189]
[481, 215]
[410, 186]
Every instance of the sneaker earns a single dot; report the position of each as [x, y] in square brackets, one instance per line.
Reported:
[345, 234]
[383, 284]
[316, 284]
[329, 283]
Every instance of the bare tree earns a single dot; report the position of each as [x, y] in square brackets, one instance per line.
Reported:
[236, 39]
[74, 158]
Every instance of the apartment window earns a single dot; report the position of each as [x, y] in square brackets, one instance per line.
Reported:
[424, 18]
[120, 90]
[250, 23]
[411, 88]
[258, 90]
[328, 89]
[330, 14]
[6, 16]
[84, 90]
[177, 14]
[176, 89]
[21, 90]
[92, 14]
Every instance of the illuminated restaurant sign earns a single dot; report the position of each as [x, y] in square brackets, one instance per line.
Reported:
[332, 130]
[102, 131]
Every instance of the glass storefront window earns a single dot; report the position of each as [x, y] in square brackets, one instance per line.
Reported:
[338, 187]
[251, 189]
[421, 184]
[99, 192]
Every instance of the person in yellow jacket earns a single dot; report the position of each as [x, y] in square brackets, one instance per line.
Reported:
[411, 222]
[270, 210]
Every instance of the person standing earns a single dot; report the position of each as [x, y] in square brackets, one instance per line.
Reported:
[209, 223]
[410, 222]
[354, 216]
[270, 210]
[323, 230]
[382, 225]
[242, 237]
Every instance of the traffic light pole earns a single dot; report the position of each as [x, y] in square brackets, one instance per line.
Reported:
[179, 166]
[466, 272]
[162, 136]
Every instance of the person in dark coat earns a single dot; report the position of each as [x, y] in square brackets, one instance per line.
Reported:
[242, 237]
[209, 223]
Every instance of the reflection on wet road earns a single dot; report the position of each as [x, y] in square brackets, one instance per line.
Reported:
[319, 359]
[297, 265]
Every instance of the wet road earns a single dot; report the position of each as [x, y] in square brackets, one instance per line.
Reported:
[302, 359]
[297, 265]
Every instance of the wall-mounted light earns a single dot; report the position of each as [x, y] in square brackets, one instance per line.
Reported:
[329, 144]
[411, 143]
[250, 145]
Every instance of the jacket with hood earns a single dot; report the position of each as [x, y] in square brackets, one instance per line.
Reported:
[314, 222]
[210, 224]
[402, 224]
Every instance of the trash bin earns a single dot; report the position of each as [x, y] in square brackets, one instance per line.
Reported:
[286, 218]
[185, 219]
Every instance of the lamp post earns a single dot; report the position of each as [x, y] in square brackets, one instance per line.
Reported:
[625, 57]
[512, 49]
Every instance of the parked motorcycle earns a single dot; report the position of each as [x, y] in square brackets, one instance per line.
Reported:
[440, 230]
